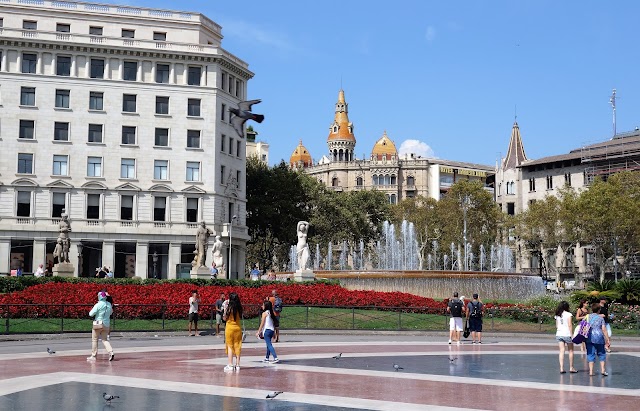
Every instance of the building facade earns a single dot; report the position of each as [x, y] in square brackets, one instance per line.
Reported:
[399, 177]
[117, 116]
[520, 182]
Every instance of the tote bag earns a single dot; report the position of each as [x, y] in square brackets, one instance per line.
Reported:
[581, 332]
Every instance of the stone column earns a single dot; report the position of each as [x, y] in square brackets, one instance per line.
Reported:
[120, 69]
[87, 67]
[108, 253]
[107, 68]
[39, 253]
[74, 66]
[174, 258]
[3, 64]
[185, 73]
[142, 259]
[139, 71]
[172, 73]
[153, 72]
[203, 76]
[38, 64]
[5, 253]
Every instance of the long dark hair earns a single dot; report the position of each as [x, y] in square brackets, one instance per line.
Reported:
[562, 307]
[582, 304]
[234, 305]
[269, 307]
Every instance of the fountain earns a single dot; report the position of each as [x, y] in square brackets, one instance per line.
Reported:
[395, 265]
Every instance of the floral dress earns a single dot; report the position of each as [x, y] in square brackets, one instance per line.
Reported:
[595, 333]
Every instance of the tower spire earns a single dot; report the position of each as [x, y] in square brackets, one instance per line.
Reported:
[515, 153]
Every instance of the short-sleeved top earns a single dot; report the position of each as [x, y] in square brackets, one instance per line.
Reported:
[255, 274]
[595, 334]
[453, 301]
[219, 306]
[193, 305]
[562, 329]
[470, 308]
[605, 311]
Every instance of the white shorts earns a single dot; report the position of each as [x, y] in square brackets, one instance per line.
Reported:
[455, 324]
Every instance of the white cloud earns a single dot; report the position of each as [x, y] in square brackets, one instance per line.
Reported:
[416, 147]
[430, 35]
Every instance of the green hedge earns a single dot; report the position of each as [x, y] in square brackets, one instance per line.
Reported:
[11, 284]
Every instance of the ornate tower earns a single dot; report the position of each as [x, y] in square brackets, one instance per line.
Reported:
[515, 153]
[341, 140]
[300, 158]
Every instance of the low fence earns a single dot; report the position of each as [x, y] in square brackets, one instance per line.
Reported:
[67, 318]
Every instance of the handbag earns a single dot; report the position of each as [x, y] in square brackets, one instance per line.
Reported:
[98, 325]
[581, 332]
[466, 332]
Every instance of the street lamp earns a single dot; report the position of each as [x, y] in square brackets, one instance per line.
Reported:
[79, 259]
[155, 263]
[235, 217]
[466, 203]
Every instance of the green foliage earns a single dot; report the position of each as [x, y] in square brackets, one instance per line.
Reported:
[629, 291]
[604, 285]
[593, 296]
[548, 303]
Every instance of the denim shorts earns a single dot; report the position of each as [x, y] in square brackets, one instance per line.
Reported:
[566, 340]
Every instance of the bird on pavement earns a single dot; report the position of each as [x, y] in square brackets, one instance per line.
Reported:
[274, 394]
[108, 397]
[337, 357]
[242, 114]
[397, 367]
[452, 359]
[50, 351]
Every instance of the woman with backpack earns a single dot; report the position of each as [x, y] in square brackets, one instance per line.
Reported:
[267, 330]
[564, 330]
[232, 332]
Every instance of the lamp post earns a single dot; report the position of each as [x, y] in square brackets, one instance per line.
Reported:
[79, 259]
[235, 217]
[155, 264]
[466, 203]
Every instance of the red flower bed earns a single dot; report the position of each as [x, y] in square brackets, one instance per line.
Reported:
[172, 298]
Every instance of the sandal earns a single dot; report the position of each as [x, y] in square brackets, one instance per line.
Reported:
[573, 371]
[563, 372]
[605, 374]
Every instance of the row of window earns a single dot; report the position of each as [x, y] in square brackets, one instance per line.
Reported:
[95, 134]
[93, 206]
[93, 30]
[511, 185]
[96, 102]
[98, 66]
[128, 167]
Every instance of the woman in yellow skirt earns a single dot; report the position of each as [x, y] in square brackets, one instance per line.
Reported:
[233, 332]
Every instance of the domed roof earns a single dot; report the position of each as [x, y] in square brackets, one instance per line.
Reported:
[384, 146]
[300, 156]
[341, 129]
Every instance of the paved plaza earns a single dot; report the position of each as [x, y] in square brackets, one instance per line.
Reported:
[176, 372]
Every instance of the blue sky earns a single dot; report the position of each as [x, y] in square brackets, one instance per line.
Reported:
[448, 74]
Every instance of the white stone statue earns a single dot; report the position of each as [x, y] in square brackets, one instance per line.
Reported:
[218, 246]
[302, 249]
[202, 243]
[64, 228]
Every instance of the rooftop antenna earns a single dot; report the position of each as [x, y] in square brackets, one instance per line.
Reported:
[612, 100]
[515, 112]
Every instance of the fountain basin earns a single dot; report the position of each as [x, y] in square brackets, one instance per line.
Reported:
[442, 284]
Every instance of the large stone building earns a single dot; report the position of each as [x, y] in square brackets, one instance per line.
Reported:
[520, 182]
[397, 176]
[117, 116]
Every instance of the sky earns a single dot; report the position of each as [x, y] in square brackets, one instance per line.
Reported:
[444, 79]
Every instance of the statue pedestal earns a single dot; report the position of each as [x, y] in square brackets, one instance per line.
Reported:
[201, 272]
[304, 275]
[63, 270]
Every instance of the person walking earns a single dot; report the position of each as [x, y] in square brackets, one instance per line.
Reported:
[455, 309]
[604, 313]
[194, 302]
[276, 304]
[233, 332]
[101, 312]
[475, 310]
[581, 313]
[564, 331]
[219, 312]
[267, 330]
[598, 340]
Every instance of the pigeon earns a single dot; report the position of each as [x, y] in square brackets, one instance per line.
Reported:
[242, 114]
[397, 367]
[274, 394]
[109, 397]
[452, 359]
[50, 351]
[337, 357]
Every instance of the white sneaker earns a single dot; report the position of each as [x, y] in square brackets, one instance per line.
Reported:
[449, 342]
[91, 358]
[228, 368]
[108, 338]
[457, 342]
[275, 360]
[236, 368]
[265, 360]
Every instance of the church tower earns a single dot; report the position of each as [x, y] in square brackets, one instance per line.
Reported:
[341, 141]
[515, 153]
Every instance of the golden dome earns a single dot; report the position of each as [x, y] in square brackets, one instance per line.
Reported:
[384, 146]
[341, 129]
[301, 156]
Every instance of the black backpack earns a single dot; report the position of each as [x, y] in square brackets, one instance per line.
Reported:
[456, 308]
[277, 305]
[476, 312]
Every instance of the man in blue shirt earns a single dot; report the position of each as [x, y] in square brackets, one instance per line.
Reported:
[255, 273]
